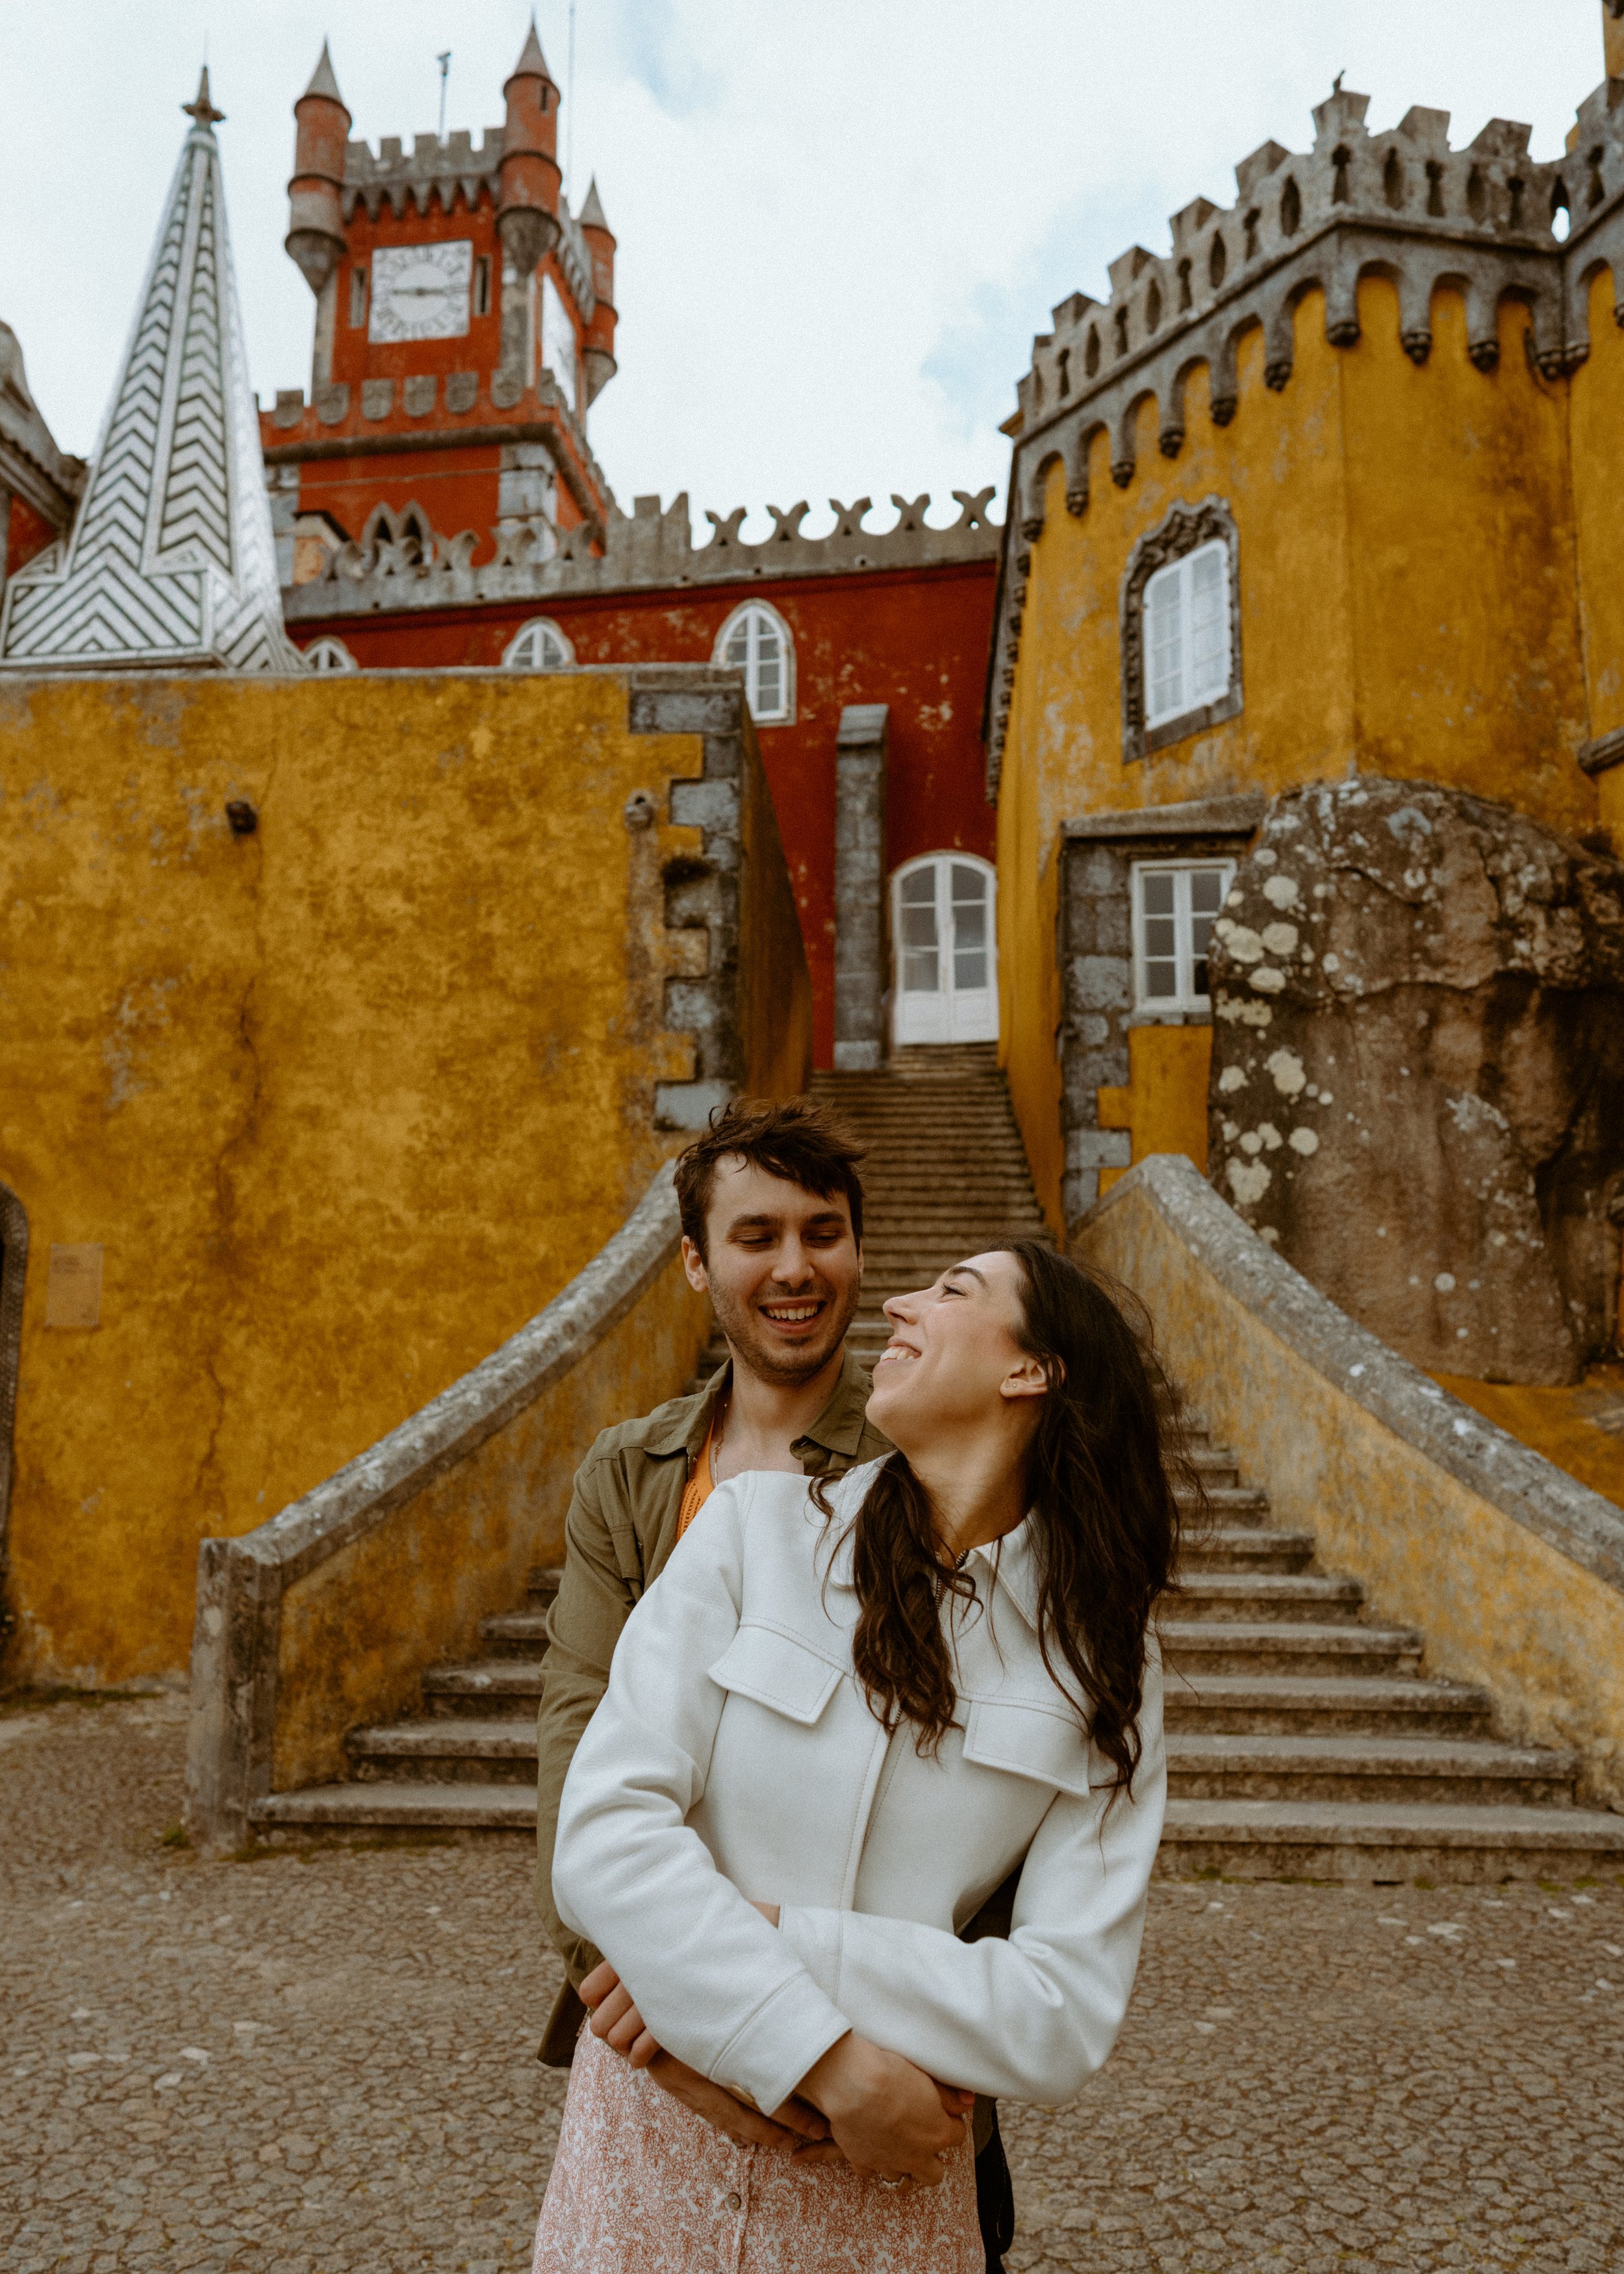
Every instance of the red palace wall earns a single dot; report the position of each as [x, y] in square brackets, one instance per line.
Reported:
[26, 533]
[915, 639]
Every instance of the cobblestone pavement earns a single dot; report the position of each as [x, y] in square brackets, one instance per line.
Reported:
[320, 2064]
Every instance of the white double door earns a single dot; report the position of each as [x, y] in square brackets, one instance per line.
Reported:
[946, 983]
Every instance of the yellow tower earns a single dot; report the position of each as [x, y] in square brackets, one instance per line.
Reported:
[1326, 490]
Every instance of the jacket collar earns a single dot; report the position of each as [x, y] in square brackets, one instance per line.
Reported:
[838, 1430]
[1011, 1563]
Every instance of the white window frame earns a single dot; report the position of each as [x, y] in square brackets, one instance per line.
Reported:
[540, 632]
[1182, 574]
[329, 654]
[759, 610]
[1184, 1001]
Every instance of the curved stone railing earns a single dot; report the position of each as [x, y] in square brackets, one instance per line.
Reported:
[1512, 1570]
[325, 1617]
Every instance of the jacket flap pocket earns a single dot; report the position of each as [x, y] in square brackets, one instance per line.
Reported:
[1029, 1741]
[774, 1669]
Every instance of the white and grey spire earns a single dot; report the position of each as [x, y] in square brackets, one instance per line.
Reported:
[170, 564]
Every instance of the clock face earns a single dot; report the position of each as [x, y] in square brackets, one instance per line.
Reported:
[420, 291]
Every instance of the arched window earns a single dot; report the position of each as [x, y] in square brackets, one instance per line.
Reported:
[756, 640]
[539, 645]
[946, 988]
[329, 655]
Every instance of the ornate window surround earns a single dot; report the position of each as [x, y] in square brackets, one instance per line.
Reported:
[1180, 531]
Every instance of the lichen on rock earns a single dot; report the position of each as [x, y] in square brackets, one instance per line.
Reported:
[1443, 1054]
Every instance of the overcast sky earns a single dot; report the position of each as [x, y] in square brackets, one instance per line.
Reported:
[840, 221]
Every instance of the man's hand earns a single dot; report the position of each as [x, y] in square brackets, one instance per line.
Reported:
[887, 2116]
[617, 2023]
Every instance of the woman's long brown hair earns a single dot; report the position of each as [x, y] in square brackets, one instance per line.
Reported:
[1105, 1517]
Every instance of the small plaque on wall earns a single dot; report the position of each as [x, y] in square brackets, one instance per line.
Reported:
[73, 1286]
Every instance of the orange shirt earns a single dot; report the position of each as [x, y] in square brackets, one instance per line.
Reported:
[699, 1488]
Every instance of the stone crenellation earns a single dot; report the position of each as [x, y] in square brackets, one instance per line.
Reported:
[399, 563]
[1487, 220]
[440, 169]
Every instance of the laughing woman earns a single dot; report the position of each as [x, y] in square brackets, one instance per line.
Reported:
[840, 1719]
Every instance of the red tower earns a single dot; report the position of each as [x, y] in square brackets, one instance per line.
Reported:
[460, 335]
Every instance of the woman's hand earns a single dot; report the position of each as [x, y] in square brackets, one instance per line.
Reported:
[888, 2117]
[797, 2124]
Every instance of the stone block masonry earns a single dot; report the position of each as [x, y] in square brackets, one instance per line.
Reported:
[861, 960]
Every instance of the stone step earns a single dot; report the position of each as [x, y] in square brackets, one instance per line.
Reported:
[400, 1807]
[1352, 1842]
[1362, 1842]
[542, 1581]
[1239, 1502]
[1450, 1771]
[516, 1634]
[1275, 1596]
[493, 1685]
[1286, 1705]
[1248, 1547]
[1197, 1646]
[457, 1749]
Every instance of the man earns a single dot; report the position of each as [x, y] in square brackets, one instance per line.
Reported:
[771, 1211]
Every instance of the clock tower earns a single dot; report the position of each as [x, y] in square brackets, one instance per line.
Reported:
[464, 322]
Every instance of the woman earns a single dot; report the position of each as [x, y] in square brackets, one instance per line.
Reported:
[841, 1718]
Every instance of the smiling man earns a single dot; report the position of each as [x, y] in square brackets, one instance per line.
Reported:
[771, 1207]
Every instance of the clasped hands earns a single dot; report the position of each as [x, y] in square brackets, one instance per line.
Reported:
[858, 2103]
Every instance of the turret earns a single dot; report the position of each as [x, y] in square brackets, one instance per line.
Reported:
[528, 203]
[316, 215]
[597, 354]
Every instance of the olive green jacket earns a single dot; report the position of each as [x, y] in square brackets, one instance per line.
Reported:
[621, 1528]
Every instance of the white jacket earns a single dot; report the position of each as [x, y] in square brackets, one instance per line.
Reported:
[735, 1758]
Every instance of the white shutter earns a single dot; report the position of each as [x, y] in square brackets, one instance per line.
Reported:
[1187, 634]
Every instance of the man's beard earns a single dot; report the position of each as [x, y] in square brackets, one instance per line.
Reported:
[787, 1366]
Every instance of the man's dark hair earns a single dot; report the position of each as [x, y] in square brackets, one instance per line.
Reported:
[793, 1139]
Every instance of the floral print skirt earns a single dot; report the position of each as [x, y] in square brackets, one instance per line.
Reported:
[641, 2185]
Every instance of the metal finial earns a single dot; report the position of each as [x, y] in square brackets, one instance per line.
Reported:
[203, 110]
[1336, 84]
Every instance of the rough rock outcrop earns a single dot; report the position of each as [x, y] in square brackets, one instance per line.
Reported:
[1418, 1083]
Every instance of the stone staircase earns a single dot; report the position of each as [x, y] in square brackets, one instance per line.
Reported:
[1303, 1739]
[945, 1175]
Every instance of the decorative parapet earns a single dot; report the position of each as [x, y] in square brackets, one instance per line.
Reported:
[650, 547]
[1487, 220]
[346, 422]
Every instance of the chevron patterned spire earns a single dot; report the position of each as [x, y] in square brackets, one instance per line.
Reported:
[170, 562]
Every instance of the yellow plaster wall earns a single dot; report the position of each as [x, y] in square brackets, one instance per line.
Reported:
[345, 1102]
[1408, 604]
[357, 1632]
[1163, 1102]
[1496, 1603]
[1463, 577]
[1597, 425]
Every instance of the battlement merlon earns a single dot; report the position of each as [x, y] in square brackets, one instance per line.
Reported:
[1482, 221]
[1486, 216]
[651, 547]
